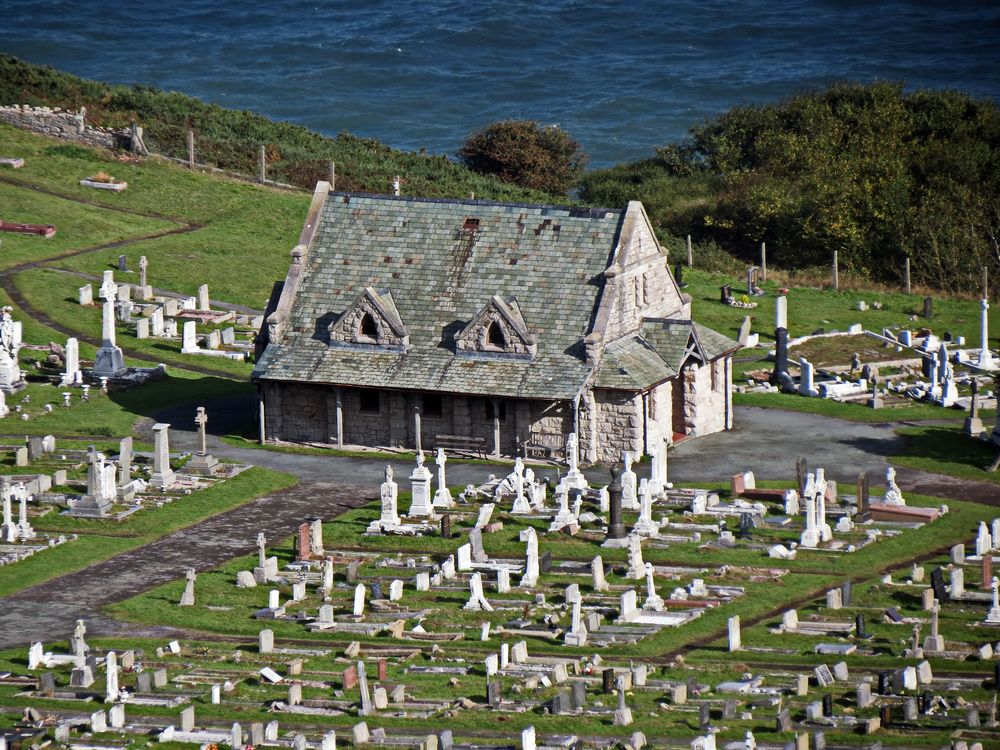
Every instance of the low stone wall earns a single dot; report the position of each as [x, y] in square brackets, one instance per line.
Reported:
[61, 123]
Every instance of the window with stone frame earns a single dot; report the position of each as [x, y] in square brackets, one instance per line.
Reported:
[497, 329]
[368, 329]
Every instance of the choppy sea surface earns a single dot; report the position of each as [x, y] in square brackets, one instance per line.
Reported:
[621, 78]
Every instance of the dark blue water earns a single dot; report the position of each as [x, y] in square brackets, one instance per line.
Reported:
[620, 77]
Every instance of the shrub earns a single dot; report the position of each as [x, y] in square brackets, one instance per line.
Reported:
[541, 157]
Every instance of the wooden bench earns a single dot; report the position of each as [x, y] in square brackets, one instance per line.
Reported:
[462, 444]
[534, 450]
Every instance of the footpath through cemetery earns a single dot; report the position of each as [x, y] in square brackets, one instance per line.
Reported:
[526, 571]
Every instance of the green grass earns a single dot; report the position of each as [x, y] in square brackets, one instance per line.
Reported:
[811, 308]
[138, 530]
[55, 292]
[77, 226]
[910, 412]
[944, 450]
[115, 414]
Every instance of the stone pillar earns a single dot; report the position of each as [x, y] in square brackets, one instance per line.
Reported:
[616, 529]
[416, 426]
[338, 393]
[262, 436]
[985, 357]
[496, 427]
[163, 475]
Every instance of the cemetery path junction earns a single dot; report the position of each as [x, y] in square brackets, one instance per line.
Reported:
[329, 487]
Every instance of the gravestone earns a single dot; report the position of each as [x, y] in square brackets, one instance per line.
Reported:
[863, 503]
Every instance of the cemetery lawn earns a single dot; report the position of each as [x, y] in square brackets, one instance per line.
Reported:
[944, 450]
[102, 539]
[54, 291]
[241, 236]
[910, 412]
[222, 608]
[115, 414]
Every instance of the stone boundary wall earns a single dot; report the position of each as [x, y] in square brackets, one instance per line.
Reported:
[62, 123]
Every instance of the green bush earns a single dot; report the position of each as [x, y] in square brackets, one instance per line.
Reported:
[540, 157]
[867, 170]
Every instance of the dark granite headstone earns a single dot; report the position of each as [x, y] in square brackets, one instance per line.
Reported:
[885, 714]
[780, 354]
[885, 683]
[383, 669]
[745, 527]
[545, 562]
[926, 699]
[801, 469]
[679, 275]
[845, 594]
[704, 716]
[608, 680]
[859, 626]
[376, 589]
[996, 677]
[863, 502]
[947, 337]
[828, 705]
[616, 529]
[893, 614]
[494, 694]
[725, 293]
[937, 583]
[897, 681]
[446, 526]
[928, 307]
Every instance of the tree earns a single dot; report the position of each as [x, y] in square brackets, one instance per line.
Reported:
[543, 157]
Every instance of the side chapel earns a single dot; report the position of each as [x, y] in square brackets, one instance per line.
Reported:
[413, 322]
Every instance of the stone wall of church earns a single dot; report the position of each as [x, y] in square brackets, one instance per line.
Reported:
[619, 425]
[308, 413]
[707, 398]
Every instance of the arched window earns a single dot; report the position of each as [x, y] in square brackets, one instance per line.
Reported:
[495, 337]
[369, 328]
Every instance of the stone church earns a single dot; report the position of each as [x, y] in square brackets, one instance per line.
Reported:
[500, 328]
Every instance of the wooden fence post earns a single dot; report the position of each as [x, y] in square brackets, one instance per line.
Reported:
[906, 275]
[836, 273]
[262, 167]
[190, 149]
[690, 256]
[763, 263]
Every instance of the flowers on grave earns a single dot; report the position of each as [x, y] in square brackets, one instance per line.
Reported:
[104, 177]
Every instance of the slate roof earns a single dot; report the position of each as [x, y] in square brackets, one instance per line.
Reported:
[656, 353]
[440, 276]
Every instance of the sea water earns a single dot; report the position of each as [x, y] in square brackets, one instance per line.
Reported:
[621, 78]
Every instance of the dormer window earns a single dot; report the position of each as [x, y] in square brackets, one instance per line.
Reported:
[497, 330]
[371, 322]
[369, 329]
[495, 337]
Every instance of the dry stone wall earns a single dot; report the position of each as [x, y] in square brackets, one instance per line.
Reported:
[61, 123]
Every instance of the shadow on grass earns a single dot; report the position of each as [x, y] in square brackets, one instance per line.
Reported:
[229, 403]
[938, 449]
